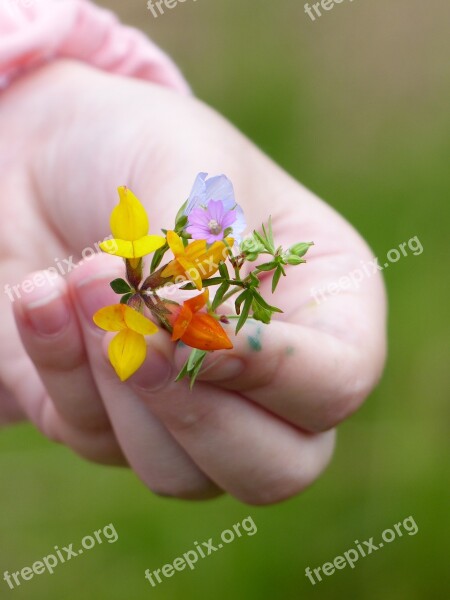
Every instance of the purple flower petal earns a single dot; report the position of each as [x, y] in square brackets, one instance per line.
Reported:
[215, 210]
[228, 219]
[213, 200]
[198, 216]
[198, 232]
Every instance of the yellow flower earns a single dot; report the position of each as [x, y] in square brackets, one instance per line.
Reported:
[127, 350]
[196, 261]
[129, 226]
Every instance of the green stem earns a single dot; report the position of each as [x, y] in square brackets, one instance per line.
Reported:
[237, 273]
[156, 307]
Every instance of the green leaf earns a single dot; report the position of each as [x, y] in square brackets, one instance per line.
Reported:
[261, 314]
[125, 298]
[270, 266]
[181, 216]
[223, 270]
[245, 311]
[120, 286]
[240, 299]
[254, 280]
[206, 283]
[260, 300]
[182, 373]
[157, 257]
[192, 366]
[263, 241]
[223, 289]
[269, 236]
[276, 277]
[194, 358]
[181, 224]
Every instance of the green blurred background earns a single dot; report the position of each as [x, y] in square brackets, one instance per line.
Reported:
[355, 105]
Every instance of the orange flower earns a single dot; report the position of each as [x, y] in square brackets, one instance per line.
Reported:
[196, 261]
[199, 330]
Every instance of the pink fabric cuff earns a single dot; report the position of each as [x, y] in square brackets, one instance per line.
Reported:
[34, 32]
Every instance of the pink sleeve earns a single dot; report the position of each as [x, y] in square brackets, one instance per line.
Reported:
[33, 32]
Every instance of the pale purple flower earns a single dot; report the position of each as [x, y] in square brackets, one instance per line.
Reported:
[210, 223]
[216, 189]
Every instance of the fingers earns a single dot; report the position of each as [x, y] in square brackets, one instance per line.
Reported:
[10, 411]
[178, 441]
[67, 405]
[310, 377]
[150, 449]
[247, 451]
[50, 333]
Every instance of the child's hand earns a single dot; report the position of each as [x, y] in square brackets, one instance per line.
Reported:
[259, 423]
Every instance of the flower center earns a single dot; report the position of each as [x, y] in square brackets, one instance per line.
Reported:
[214, 227]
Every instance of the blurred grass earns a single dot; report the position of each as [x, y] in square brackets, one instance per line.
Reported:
[355, 106]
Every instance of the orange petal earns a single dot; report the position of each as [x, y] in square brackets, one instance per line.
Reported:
[181, 323]
[205, 333]
[198, 302]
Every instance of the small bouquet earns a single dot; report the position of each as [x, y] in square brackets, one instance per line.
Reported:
[207, 252]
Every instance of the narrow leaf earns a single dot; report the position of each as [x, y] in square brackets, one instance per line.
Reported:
[223, 270]
[223, 289]
[157, 257]
[260, 300]
[267, 266]
[276, 278]
[240, 299]
[245, 312]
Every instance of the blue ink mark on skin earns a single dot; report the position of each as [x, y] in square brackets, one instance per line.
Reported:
[289, 351]
[255, 341]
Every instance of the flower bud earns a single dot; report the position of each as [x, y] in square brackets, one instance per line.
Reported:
[252, 248]
[300, 249]
[292, 259]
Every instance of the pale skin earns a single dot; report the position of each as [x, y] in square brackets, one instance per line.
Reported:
[260, 423]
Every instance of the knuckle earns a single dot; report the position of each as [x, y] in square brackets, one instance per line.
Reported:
[340, 406]
[275, 490]
[287, 481]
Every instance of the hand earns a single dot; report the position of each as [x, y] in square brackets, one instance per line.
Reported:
[259, 423]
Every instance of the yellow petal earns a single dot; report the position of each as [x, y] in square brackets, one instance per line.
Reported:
[121, 248]
[196, 249]
[191, 271]
[137, 322]
[127, 351]
[173, 269]
[111, 318]
[117, 317]
[129, 220]
[175, 243]
[147, 245]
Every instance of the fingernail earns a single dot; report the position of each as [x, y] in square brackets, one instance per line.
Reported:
[222, 369]
[49, 314]
[155, 373]
[93, 293]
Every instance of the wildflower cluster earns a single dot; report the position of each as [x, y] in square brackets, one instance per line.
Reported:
[206, 251]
